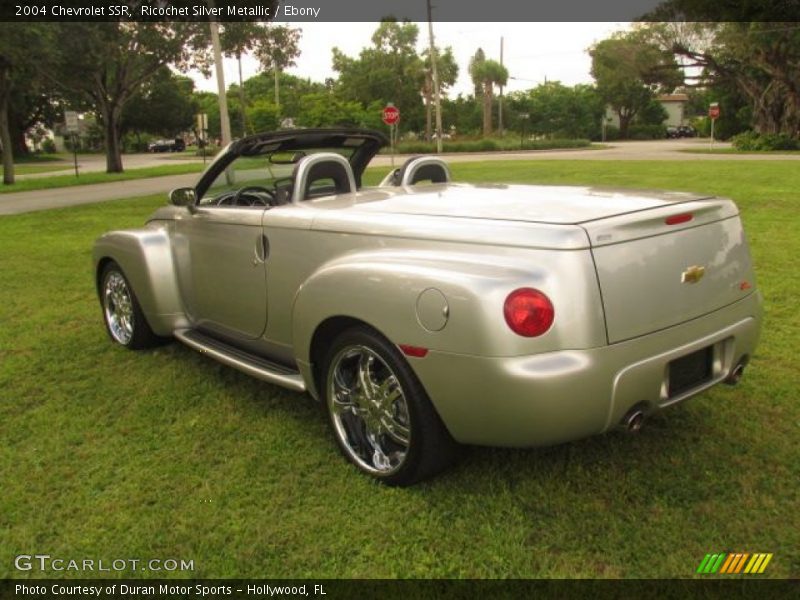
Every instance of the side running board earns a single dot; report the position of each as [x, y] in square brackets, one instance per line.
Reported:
[255, 366]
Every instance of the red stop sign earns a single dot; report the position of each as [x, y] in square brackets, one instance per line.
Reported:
[391, 114]
[713, 111]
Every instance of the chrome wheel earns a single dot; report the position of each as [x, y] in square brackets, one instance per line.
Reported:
[369, 410]
[118, 307]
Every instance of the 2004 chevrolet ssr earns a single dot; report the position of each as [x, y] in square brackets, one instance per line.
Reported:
[426, 314]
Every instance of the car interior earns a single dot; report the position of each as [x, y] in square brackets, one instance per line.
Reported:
[278, 178]
[417, 170]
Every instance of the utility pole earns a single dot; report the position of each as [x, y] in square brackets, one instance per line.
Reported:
[241, 96]
[225, 122]
[435, 72]
[277, 87]
[500, 102]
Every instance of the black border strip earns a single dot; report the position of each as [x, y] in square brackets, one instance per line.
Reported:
[730, 588]
[414, 10]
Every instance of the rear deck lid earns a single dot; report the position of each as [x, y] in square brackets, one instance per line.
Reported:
[670, 264]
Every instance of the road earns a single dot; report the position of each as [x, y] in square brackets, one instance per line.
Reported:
[21, 202]
[96, 163]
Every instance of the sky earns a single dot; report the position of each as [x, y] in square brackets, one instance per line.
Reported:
[532, 53]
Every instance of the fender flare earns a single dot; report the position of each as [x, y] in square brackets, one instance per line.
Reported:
[145, 257]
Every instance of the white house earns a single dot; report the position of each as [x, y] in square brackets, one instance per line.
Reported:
[674, 104]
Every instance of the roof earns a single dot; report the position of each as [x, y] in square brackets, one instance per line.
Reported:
[673, 98]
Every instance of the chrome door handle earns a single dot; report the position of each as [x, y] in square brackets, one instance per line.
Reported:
[261, 252]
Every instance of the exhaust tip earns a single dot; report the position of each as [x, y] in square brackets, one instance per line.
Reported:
[735, 375]
[633, 421]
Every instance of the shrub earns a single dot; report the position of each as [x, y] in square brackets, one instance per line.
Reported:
[751, 141]
[703, 126]
[508, 143]
[612, 133]
[48, 146]
[647, 132]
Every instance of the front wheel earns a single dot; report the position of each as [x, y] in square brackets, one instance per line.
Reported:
[381, 416]
[124, 319]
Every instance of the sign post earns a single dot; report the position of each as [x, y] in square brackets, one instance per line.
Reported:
[202, 129]
[713, 113]
[391, 116]
[72, 127]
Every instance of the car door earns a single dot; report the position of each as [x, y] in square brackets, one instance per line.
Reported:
[220, 254]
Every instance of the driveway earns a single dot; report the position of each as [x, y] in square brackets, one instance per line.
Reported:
[21, 202]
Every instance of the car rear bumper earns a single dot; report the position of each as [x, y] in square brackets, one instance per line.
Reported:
[560, 396]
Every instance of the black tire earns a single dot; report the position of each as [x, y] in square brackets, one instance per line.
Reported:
[359, 431]
[125, 324]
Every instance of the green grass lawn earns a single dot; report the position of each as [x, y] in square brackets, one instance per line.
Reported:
[30, 169]
[108, 453]
[734, 151]
[40, 163]
[42, 158]
[57, 181]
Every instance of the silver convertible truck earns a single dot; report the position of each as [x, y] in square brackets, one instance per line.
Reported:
[425, 314]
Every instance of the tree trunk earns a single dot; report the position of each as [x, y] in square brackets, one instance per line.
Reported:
[428, 107]
[17, 133]
[487, 109]
[5, 136]
[111, 117]
[277, 88]
[241, 97]
[5, 142]
[624, 123]
[19, 144]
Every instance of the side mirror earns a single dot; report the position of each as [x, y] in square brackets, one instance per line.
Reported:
[182, 197]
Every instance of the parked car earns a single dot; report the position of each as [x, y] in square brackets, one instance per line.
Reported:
[681, 131]
[176, 145]
[425, 314]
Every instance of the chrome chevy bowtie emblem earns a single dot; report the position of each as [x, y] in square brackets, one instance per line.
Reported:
[693, 274]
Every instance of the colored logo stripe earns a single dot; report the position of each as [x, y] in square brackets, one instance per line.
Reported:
[734, 563]
[711, 563]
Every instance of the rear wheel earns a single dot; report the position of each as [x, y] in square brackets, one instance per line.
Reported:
[381, 416]
[123, 316]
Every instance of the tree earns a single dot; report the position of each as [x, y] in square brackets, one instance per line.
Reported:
[557, 111]
[264, 115]
[464, 114]
[488, 73]
[653, 113]
[325, 110]
[757, 61]
[237, 39]
[388, 71]
[162, 106]
[20, 52]
[207, 103]
[478, 58]
[293, 90]
[105, 64]
[448, 74]
[735, 109]
[277, 47]
[629, 69]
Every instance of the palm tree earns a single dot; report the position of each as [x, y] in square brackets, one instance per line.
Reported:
[487, 74]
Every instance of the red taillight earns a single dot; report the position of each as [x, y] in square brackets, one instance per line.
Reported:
[528, 312]
[678, 219]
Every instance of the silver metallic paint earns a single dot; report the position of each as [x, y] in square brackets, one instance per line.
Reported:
[371, 255]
